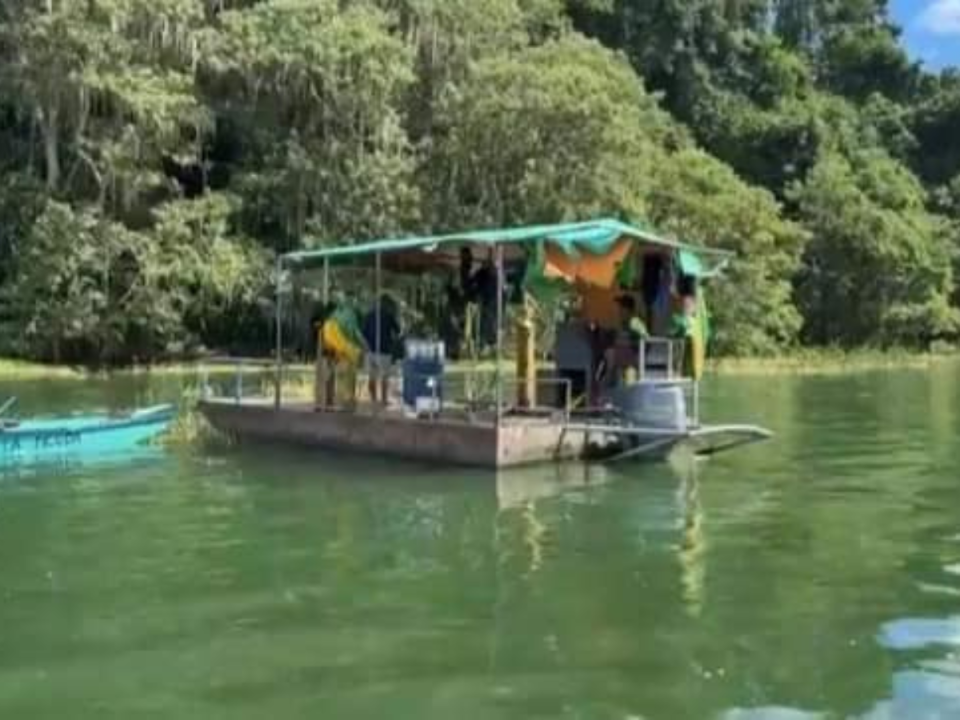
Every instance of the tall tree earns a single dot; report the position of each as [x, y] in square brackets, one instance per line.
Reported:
[879, 267]
[555, 132]
[146, 143]
[106, 88]
[314, 92]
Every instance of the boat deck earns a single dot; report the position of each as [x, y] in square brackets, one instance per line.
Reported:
[452, 437]
[456, 437]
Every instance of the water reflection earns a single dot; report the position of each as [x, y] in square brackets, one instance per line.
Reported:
[693, 547]
[811, 576]
[770, 713]
[128, 462]
[523, 487]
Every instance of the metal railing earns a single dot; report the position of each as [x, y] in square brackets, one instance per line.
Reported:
[244, 370]
[673, 349]
[474, 391]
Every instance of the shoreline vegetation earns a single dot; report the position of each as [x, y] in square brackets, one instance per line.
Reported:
[156, 158]
[829, 362]
[801, 362]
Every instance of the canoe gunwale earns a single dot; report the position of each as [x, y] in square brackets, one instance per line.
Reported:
[98, 423]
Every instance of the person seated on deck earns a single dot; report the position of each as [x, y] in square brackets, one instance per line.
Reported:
[382, 351]
[685, 307]
[623, 355]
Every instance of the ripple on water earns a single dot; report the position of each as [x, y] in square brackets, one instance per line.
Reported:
[770, 713]
[260, 583]
[918, 633]
[936, 589]
[920, 695]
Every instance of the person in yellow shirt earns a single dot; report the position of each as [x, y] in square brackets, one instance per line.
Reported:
[341, 344]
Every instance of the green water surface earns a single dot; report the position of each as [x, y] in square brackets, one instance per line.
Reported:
[815, 576]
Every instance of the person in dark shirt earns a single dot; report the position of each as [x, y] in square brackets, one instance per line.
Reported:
[466, 271]
[383, 351]
[484, 292]
[452, 321]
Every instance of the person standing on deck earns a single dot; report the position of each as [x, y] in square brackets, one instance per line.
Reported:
[480, 288]
[484, 283]
[341, 342]
[690, 324]
[381, 351]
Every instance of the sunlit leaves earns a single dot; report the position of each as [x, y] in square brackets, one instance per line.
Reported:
[555, 132]
[879, 267]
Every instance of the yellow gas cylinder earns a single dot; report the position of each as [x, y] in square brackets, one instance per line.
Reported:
[526, 358]
[697, 347]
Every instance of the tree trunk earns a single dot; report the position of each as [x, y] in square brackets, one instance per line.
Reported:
[51, 147]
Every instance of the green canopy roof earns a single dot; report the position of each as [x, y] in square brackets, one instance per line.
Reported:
[595, 236]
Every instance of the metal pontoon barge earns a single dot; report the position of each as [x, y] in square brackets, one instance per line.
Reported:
[507, 429]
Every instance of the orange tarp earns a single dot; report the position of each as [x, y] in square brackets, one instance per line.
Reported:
[586, 268]
[599, 305]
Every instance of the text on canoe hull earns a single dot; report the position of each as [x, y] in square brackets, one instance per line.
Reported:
[41, 441]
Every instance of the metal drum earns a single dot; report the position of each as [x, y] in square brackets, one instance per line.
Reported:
[655, 404]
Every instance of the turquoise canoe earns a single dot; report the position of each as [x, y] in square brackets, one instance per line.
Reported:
[81, 437]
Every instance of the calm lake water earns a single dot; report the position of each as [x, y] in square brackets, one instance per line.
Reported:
[815, 576]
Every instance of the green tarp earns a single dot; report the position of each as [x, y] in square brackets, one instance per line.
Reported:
[596, 236]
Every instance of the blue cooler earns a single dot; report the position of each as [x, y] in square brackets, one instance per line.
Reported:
[423, 375]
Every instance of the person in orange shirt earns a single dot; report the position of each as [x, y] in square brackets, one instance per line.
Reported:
[600, 313]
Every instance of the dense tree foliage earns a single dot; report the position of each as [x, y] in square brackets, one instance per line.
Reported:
[154, 154]
[879, 267]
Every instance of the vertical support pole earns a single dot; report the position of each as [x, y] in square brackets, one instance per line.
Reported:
[377, 381]
[696, 403]
[378, 290]
[205, 391]
[499, 333]
[376, 299]
[322, 389]
[326, 281]
[278, 371]
[641, 359]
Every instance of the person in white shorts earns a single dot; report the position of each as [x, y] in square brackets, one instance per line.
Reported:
[379, 365]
